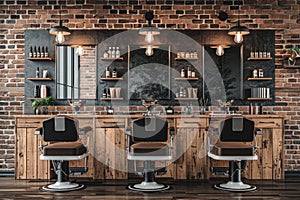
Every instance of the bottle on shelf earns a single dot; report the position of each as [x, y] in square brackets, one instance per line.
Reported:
[31, 53]
[108, 93]
[261, 53]
[43, 93]
[193, 73]
[43, 52]
[113, 52]
[107, 72]
[118, 54]
[182, 73]
[109, 52]
[105, 54]
[104, 94]
[114, 73]
[189, 72]
[251, 53]
[37, 72]
[36, 91]
[265, 51]
[46, 52]
[254, 73]
[256, 54]
[34, 52]
[38, 52]
[260, 73]
[187, 55]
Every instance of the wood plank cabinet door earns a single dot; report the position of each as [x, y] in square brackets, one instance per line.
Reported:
[110, 157]
[191, 150]
[29, 166]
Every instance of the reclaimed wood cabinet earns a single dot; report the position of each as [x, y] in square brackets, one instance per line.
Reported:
[107, 144]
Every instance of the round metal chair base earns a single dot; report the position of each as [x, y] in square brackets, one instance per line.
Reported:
[148, 187]
[235, 187]
[62, 187]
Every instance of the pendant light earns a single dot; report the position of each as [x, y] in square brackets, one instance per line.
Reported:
[60, 31]
[238, 31]
[220, 49]
[149, 31]
[149, 49]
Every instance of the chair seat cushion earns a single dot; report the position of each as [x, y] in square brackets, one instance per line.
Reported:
[150, 148]
[65, 149]
[233, 149]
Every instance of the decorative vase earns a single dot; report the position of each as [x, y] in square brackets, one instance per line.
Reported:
[37, 111]
[45, 110]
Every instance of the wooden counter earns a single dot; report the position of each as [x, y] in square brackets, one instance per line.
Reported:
[108, 156]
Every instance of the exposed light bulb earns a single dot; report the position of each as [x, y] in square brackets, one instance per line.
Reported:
[238, 38]
[220, 51]
[149, 37]
[60, 38]
[149, 50]
[79, 51]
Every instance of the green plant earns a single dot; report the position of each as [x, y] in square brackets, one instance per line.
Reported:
[48, 101]
[295, 49]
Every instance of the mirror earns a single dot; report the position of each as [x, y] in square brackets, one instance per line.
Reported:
[230, 68]
[149, 76]
[75, 75]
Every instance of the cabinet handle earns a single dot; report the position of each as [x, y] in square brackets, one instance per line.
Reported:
[36, 122]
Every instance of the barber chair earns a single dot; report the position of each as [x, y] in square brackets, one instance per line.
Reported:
[149, 140]
[236, 143]
[62, 135]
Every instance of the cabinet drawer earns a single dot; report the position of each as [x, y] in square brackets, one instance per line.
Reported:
[110, 123]
[268, 123]
[191, 123]
[30, 122]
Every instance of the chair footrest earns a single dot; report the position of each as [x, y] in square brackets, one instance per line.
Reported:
[220, 170]
[78, 170]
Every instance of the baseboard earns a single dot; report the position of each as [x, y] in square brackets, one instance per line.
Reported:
[292, 173]
[7, 174]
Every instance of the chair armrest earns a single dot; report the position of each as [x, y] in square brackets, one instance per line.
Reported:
[84, 130]
[38, 131]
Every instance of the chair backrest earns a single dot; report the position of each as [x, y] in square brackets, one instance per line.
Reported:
[237, 129]
[150, 129]
[60, 129]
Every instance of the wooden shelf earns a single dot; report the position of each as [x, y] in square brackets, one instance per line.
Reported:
[186, 99]
[287, 66]
[260, 79]
[41, 59]
[177, 58]
[186, 79]
[120, 58]
[250, 58]
[34, 98]
[40, 79]
[111, 79]
[111, 99]
[259, 99]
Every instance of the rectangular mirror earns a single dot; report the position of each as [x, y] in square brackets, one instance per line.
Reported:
[75, 75]
[228, 67]
[149, 76]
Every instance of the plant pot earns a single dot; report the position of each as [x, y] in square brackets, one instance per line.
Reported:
[37, 111]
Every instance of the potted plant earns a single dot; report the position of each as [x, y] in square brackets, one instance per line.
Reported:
[38, 103]
[294, 54]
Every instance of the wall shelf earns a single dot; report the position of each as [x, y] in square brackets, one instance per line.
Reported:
[186, 79]
[260, 79]
[111, 99]
[178, 58]
[111, 79]
[259, 99]
[40, 79]
[41, 59]
[120, 58]
[287, 66]
[186, 99]
[251, 58]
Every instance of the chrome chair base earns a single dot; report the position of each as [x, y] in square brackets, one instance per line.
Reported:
[148, 187]
[235, 187]
[62, 187]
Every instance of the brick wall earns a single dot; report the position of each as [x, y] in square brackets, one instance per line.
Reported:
[19, 15]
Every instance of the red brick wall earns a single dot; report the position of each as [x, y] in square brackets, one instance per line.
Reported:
[19, 15]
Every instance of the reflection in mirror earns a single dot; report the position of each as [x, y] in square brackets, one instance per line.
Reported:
[75, 74]
[149, 76]
[229, 67]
